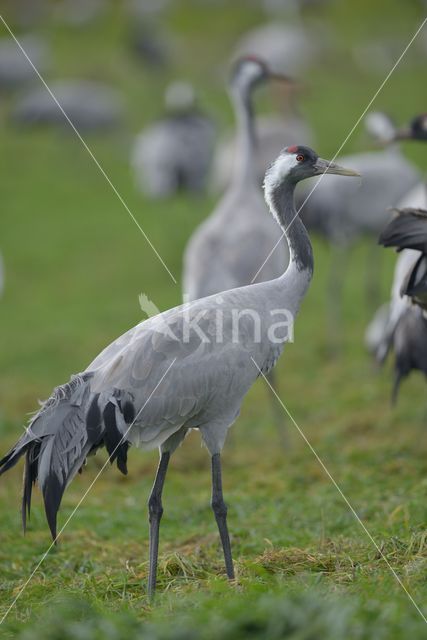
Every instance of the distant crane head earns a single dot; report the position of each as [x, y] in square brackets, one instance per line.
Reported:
[418, 128]
[382, 128]
[180, 96]
[250, 71]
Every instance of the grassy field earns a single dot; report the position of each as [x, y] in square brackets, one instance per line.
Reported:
[75, 266]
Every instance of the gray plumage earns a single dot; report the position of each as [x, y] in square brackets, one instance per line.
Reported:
[410, 346]
[228, 249]
[379, 333]
[90, 106]
[162, 378]
[344, 211]
[272, 133]
[404, 326]
[79, 13]
[408, 230]
[286, 48]
[175, 152]
[15, 70]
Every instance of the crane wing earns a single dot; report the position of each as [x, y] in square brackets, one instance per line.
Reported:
[407, 230]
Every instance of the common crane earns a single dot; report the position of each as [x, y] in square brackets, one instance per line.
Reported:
[404, 328]
[343, 213]
[176, 151]
[91, 106]
[161, 378]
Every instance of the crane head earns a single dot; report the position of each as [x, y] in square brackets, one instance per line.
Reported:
[249, 71]
[417, 129]
[297, 162]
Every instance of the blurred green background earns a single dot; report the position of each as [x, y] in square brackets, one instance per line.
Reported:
[75, 264]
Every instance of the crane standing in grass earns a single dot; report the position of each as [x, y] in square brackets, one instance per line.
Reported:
[161, 378]
[229, 248]
[405, 326]
[400, 326]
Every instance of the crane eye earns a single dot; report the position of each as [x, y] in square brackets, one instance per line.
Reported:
[300, 158]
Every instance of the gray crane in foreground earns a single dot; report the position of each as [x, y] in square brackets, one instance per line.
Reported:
[228, 249]
[161, 378]
[404, 326]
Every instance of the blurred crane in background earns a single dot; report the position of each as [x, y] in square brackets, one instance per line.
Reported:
[286, 48]
[408, 231]
[175, 152]
[91, 106]
[273, 133]
[345, 213]
[15, 70]
[398, 326]
[401, 326]
[228, 248]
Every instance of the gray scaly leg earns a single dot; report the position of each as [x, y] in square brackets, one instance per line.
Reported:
[155, 512]
[220, 510]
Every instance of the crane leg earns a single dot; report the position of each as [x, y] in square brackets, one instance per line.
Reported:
[155, 512]
[220, 510]
[279, 414]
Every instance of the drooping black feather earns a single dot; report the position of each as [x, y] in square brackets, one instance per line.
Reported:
[122, 458]
[71, 424]
[11, 458]
[53, 491]
[113, 439]
[407, 230]
[30, 477]
[128, 412]
[415, 284]
[112, 436]
[93, 422]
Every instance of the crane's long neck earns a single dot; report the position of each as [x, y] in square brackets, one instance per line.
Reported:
[280, 199]
[244, 163]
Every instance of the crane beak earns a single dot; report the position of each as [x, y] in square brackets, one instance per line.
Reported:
[324, 166]
[281, 77]
[403, 134]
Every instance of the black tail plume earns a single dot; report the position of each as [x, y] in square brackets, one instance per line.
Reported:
[30, 477]
[71, 424]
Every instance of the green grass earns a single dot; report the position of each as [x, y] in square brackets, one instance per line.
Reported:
[75, 266]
